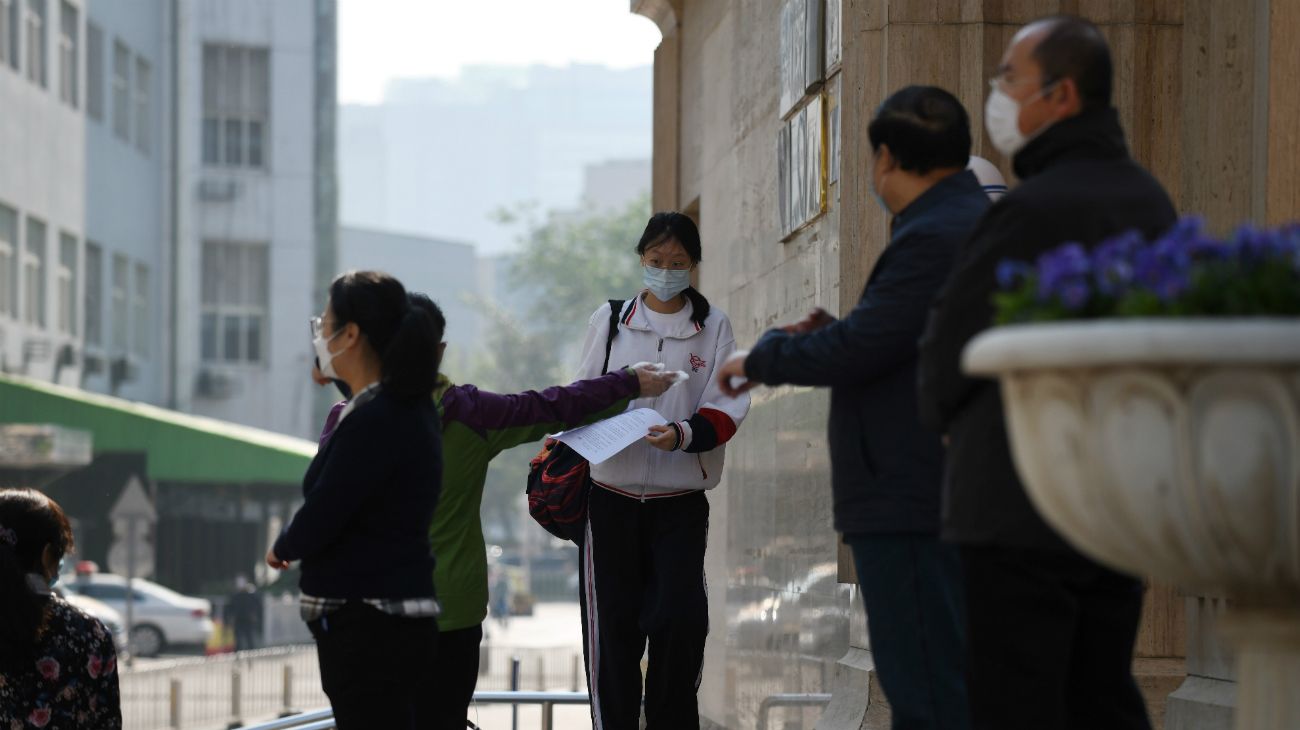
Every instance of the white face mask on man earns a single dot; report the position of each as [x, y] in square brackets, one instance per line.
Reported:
[1002, 120]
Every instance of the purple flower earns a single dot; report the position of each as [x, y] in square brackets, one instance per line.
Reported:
[1060, 267]
[1012, 273]
[1074, 294]
[1112, 262]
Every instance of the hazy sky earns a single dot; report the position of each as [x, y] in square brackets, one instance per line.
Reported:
[384, 39]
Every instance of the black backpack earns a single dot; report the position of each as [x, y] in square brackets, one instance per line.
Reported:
[559, 479]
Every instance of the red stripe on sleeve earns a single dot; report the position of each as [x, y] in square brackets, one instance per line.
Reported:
[721, 422]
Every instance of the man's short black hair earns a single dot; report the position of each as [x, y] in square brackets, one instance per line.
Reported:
[1074, 48]
[925, 127]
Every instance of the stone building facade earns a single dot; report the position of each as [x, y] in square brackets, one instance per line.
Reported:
[763, 138]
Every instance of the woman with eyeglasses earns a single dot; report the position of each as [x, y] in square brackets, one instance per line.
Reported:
[642, 558]
[362, 533]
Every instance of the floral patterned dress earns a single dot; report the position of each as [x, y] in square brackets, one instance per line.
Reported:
[72, 683]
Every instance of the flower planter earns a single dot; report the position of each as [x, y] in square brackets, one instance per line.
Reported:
[1171, 448]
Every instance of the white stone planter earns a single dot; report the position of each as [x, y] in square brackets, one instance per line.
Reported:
[1171, 448]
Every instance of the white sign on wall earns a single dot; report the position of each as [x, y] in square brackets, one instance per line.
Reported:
[802, 52]
[801, 167]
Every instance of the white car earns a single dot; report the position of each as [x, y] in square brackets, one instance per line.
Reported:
[161, 617]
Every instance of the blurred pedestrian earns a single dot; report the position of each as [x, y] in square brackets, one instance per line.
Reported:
[362, 533]
[58, 667]
[1051, 632]
[642, 559]
[243, 614]
[886, 468]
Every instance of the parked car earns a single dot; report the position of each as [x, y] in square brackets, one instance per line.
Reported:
[161, 617]
[113, 620]
[810, 614]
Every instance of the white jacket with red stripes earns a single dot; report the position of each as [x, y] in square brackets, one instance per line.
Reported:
[706, 418]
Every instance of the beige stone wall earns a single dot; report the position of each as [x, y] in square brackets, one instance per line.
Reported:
[1206, 92]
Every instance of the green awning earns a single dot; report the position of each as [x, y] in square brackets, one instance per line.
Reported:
[179, 447]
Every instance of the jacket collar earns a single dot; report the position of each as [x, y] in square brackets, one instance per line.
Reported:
[962, 183]
[1094, 135]
[634, 318]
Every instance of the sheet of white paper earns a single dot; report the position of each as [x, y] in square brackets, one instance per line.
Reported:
[599, 441]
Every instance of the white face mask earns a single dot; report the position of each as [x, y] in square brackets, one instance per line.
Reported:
[666, 283]
[1002, 120]
[324, 356]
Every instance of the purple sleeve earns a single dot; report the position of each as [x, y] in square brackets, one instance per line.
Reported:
[560, 405]
[332, 421]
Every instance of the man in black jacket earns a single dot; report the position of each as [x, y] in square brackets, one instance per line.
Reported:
[1051, 633]
[886, 468]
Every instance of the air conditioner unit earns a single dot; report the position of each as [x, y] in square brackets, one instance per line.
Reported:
[214, 385]
[34, 350]
[121, 370]
[218, 191]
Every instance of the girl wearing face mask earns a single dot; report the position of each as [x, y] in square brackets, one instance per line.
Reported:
[362, 533]
[642, 559]
[58, 667]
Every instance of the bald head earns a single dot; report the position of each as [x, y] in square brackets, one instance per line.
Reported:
[1067, 47]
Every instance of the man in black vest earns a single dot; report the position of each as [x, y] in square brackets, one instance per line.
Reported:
[1051, 632]
[886, 468]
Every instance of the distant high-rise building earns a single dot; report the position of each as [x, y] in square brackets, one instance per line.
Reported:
[438, 157]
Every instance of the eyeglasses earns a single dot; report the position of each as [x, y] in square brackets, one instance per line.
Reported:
[317, 326]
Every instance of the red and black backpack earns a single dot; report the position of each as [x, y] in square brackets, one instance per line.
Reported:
[559, 479]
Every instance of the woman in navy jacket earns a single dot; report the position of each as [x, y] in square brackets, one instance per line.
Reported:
[362, 533]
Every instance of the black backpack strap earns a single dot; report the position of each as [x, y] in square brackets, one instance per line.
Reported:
[615, 311]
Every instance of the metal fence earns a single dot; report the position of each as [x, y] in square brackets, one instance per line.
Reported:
[214, 692]
[203, 693]
[540, 669]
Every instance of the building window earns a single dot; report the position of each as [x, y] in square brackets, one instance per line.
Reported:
[236, 105]
[143, 73]
[233, 319]
[140, 311]
[8, 262]
[34, 273]
[94, 72]
[9, 32]
[94, 303]
[121, 91]
[66, 276]
[36, 50]
[121, 272]
[69, 27]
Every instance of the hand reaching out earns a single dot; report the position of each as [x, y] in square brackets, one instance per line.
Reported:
[653, 382]
[813, 321]
[731, 376]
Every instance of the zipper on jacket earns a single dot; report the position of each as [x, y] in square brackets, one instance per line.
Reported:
[703, 474]
[661, 345]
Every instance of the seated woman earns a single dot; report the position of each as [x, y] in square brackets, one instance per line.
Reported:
[58, 667]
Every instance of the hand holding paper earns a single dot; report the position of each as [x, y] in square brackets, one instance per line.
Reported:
[599, 441]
